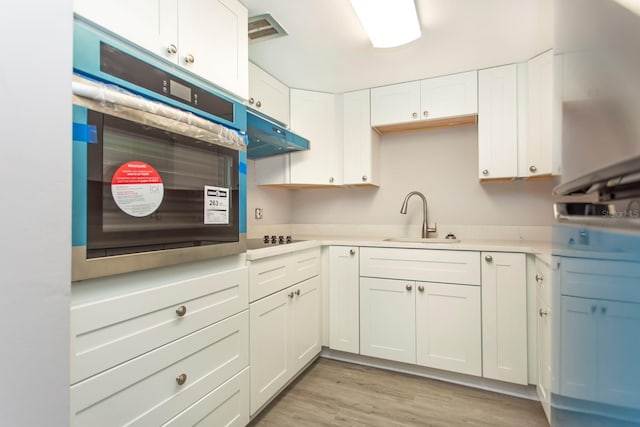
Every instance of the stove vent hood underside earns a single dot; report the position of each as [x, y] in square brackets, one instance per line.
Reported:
[268, 139]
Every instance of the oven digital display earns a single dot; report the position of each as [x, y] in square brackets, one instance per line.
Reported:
[180, 90]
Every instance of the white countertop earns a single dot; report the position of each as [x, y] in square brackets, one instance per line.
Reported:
[540, 248]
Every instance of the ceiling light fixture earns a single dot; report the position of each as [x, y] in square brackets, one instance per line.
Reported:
[389, 23]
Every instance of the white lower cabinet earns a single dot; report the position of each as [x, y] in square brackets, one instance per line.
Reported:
[544, 317]
[344, 299]
[285, 336]
[504, 317]
[448, 333]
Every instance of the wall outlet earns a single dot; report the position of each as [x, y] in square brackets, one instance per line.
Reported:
[258, 213]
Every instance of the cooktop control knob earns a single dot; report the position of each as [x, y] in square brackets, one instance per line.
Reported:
[280, 240]
[289, 239]
[274, 239]
[266, 239]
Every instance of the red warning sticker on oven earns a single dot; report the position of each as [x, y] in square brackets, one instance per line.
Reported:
[137, 188]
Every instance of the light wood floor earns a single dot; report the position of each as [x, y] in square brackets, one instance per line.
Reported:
[332, 393]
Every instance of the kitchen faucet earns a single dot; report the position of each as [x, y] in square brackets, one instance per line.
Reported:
[425, 225]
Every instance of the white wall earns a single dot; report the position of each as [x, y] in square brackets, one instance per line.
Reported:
[35, 194]
[442, 164]
[275, 202]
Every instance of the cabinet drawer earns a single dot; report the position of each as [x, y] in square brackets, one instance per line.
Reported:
[611, 280]
[422, 265]
[270, 275]
[228, 405]
[107, 332]
[145, 391]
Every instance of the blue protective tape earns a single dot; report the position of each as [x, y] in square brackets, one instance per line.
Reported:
[83, 132]
[79, 182]
[242, 169]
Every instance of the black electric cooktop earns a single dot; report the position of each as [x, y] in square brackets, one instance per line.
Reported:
[270, 241]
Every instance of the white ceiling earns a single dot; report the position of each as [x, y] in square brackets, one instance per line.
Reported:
[327, 49]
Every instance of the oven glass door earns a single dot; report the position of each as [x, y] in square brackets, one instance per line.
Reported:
[150, 189]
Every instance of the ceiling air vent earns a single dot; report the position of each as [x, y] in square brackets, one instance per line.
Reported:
[264, 27]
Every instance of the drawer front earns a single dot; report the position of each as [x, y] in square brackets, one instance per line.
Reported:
[441, 266]
[269, 275]
[305, 264]
[228, 405]
[145, 391]
[108, 332]
[611, 280]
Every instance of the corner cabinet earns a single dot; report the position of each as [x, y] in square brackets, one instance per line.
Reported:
[344, 295]
[267, 95]
[208, 38]
[504, 317]
[361, 142]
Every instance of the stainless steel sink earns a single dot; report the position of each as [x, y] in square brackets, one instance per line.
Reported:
[420, 240]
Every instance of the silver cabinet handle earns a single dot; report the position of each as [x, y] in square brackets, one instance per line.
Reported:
[421, 288]
[181, 311]
[251, 101]
[408, 286]
[414, 115]
[485, 172]
[543, 313]
[298, 292]
[532, 168]
[539, 278]
[425, 113]
[189, 59]
[172, 49]
[258, 104]
[331, 179]
[488, 258]
[352, 252]
[290, 294]
[181, 379]
[364, 178]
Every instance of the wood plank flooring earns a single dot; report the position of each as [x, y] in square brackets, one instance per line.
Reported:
[333, 393]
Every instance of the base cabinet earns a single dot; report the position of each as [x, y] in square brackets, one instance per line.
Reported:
[344, 299]
[285, 336]
[544, 318]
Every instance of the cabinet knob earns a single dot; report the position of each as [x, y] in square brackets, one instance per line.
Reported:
[543, 313]
[181, 379]
[408, 286]
[172, 49]
[593, 308]
[331, 179]
[298, 292]
[488, 258]
[258, 104]
[352, 252]
[603, 310]
[290, 294]
[181, 311]
[251, 101]
[539, 278]
[189, 59]
[414, 115]
[425, 113]
[532, 168]
[485, 172]
[421, 288]
[364, 178]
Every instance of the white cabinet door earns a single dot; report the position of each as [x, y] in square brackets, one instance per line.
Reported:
[268, 95]
[151, 24]
[305, 322]
[543, 315]
[449, 96]
[387, 319]
[270, 346]
[318, 117]
[214, 34]
[361, 142]
[540, 135]
[497, 122]
[397, 103]
[344, 291]
[504, 317]
[448, 327]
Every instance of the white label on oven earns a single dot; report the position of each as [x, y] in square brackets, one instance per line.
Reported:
[137, 188]
[216, 205]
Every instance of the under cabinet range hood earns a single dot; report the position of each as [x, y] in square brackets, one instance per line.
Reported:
[268, 139]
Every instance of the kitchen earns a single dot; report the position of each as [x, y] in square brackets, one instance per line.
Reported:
[490, 210]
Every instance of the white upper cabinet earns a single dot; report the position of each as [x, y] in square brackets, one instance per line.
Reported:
[538, 156]
[268, 95]
[434, 98]
[317, 116]
[361, 142]
[208, 38]
[498, 122]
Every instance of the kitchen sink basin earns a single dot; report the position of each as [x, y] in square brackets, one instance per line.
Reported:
[420, 240]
